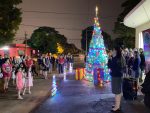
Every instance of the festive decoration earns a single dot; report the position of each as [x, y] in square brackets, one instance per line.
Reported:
[54, 86]
[97, 56]
[80, 73]
[98, 76]
[59, 49]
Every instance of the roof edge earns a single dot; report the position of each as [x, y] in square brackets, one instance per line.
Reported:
[136, 7]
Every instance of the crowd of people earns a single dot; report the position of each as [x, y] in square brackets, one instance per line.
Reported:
[125, 63]
[133, 61]
[20, 70]
[49, 63]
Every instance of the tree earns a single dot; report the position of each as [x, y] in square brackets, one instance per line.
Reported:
[87, 34]
[10, 19]
[45, 39]
[97, 56]
[127, 34]
[71, 48]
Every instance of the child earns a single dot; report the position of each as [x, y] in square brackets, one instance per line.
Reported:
[19, 82]
[28, 82]
[13, 75]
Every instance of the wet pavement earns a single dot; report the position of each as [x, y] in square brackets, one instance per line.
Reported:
[83, 97]
[41, 90]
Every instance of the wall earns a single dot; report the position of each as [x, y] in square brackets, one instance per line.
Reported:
[139, 29]
[13, 51]
[2, 52]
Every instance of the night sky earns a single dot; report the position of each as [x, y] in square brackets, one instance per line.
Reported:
[68, 16]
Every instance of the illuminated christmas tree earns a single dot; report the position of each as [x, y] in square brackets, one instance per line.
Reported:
[97, 56]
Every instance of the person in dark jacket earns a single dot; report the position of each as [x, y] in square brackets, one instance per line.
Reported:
[146, 90]
[110, 57]
[53, 62]
[1, 61]
[71, 61]
[130, 63]
[126, 56]
[116, 66]
[40, 64]
[142, 65]
[136, 66]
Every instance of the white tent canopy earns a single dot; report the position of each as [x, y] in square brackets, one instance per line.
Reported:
[139, 15]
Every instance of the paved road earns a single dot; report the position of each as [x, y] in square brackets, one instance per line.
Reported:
[82, 97]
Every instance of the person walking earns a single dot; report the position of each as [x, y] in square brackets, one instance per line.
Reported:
[116, 66]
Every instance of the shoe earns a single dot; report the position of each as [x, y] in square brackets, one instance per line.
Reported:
[114, 106]
[19, 98]
[115, 111]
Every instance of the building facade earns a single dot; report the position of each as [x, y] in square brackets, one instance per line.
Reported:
[14, 50]
[139, 18]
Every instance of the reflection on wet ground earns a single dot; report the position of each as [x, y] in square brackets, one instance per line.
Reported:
[72, 96]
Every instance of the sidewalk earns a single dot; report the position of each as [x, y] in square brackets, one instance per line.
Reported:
[40, 91]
